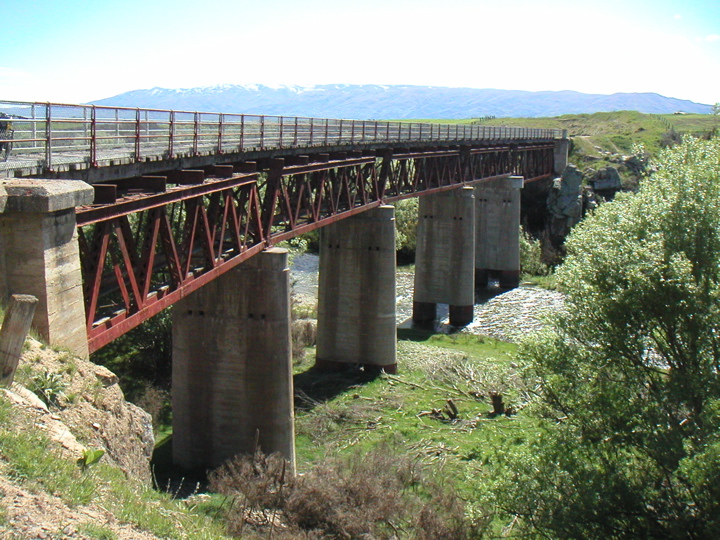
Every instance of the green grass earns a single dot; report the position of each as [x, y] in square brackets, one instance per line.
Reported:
[32, 461]
[96, 532]
[410, 409]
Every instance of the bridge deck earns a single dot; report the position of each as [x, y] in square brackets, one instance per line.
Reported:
[55, 139]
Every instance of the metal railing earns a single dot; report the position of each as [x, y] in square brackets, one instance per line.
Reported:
[50, 135]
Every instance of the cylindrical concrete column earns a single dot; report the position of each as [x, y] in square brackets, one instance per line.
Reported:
[356, 292]
[497, 250]
[232, 366]
[445, 256]
[41, 256]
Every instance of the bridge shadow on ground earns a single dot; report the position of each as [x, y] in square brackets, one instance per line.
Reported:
[312, 387]
[316, 386]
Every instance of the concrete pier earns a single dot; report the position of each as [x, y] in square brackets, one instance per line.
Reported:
[40, 256]
[356, 292]
[232, 367]
[497, 211]
[561, 152]
[445, 256]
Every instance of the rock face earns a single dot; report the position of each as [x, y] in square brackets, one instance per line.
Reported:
[606, 180]
[565, 203]
[89, 411]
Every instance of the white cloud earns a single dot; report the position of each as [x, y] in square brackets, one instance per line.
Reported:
[712, 37]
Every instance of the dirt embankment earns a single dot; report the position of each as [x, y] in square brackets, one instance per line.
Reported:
[86, 410]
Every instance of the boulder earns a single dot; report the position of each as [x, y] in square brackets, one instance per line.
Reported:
[565, 199]
[606, 179]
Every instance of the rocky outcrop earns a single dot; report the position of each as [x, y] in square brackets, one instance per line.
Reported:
[88, 410]
[606, 181]
[565, 203]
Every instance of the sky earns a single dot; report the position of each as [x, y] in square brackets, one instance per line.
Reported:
[76, 51]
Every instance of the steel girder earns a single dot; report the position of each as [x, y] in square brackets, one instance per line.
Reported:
[143, 251]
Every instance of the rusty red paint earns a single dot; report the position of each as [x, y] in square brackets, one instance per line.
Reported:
[159, 247]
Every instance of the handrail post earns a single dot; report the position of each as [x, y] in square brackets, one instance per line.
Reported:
[220, 134]
[262, 133]
[196, 132]
[48, 137]
[137, 134]
[93, 137]
[242, 133]
[34, 126]
[295, 138]
[171, 136]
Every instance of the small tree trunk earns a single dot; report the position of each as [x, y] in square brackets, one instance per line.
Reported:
[14, 330]
[497, 403]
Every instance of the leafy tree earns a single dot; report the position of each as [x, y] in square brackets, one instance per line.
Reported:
[628, 374]
[406, 220]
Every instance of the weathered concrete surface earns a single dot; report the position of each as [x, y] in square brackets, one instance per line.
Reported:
[232, 366]
[356, 291]
[445, 256]
[44, 196]
[497, 215]
[41, 257]
[560, 155]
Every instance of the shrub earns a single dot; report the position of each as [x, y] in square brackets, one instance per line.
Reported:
[376, 494]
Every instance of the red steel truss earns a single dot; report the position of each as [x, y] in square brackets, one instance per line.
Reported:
[155, 239]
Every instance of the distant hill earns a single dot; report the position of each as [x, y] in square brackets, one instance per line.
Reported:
[394, 102]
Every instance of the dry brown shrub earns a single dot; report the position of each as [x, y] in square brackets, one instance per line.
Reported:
[156, 402]
[377, 495]
[445, 517]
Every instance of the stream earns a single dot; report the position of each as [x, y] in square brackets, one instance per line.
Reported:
[500, 313]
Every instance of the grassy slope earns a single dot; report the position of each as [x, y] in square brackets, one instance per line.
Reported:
[611, 131]
[433, 368]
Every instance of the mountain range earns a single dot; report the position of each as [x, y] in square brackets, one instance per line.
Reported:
[394, 102]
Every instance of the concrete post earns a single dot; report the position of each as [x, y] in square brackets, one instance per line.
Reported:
[562, 149]
[356, 292]
[497, 212]
[445, 256]
[38, 236]
[232, 366]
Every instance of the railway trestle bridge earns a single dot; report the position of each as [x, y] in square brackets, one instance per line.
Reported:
[110, 215]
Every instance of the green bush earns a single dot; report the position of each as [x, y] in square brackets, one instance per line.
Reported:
[629, 374]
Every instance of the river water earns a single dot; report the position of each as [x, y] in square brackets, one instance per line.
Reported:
[503, 314]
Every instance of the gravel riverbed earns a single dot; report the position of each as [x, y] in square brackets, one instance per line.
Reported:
[503, 314]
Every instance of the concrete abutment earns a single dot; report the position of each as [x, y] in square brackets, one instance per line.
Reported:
[40, 256]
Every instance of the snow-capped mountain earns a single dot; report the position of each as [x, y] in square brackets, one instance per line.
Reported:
[393, 102]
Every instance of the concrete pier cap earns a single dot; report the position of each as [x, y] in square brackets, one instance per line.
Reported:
[40, 255]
